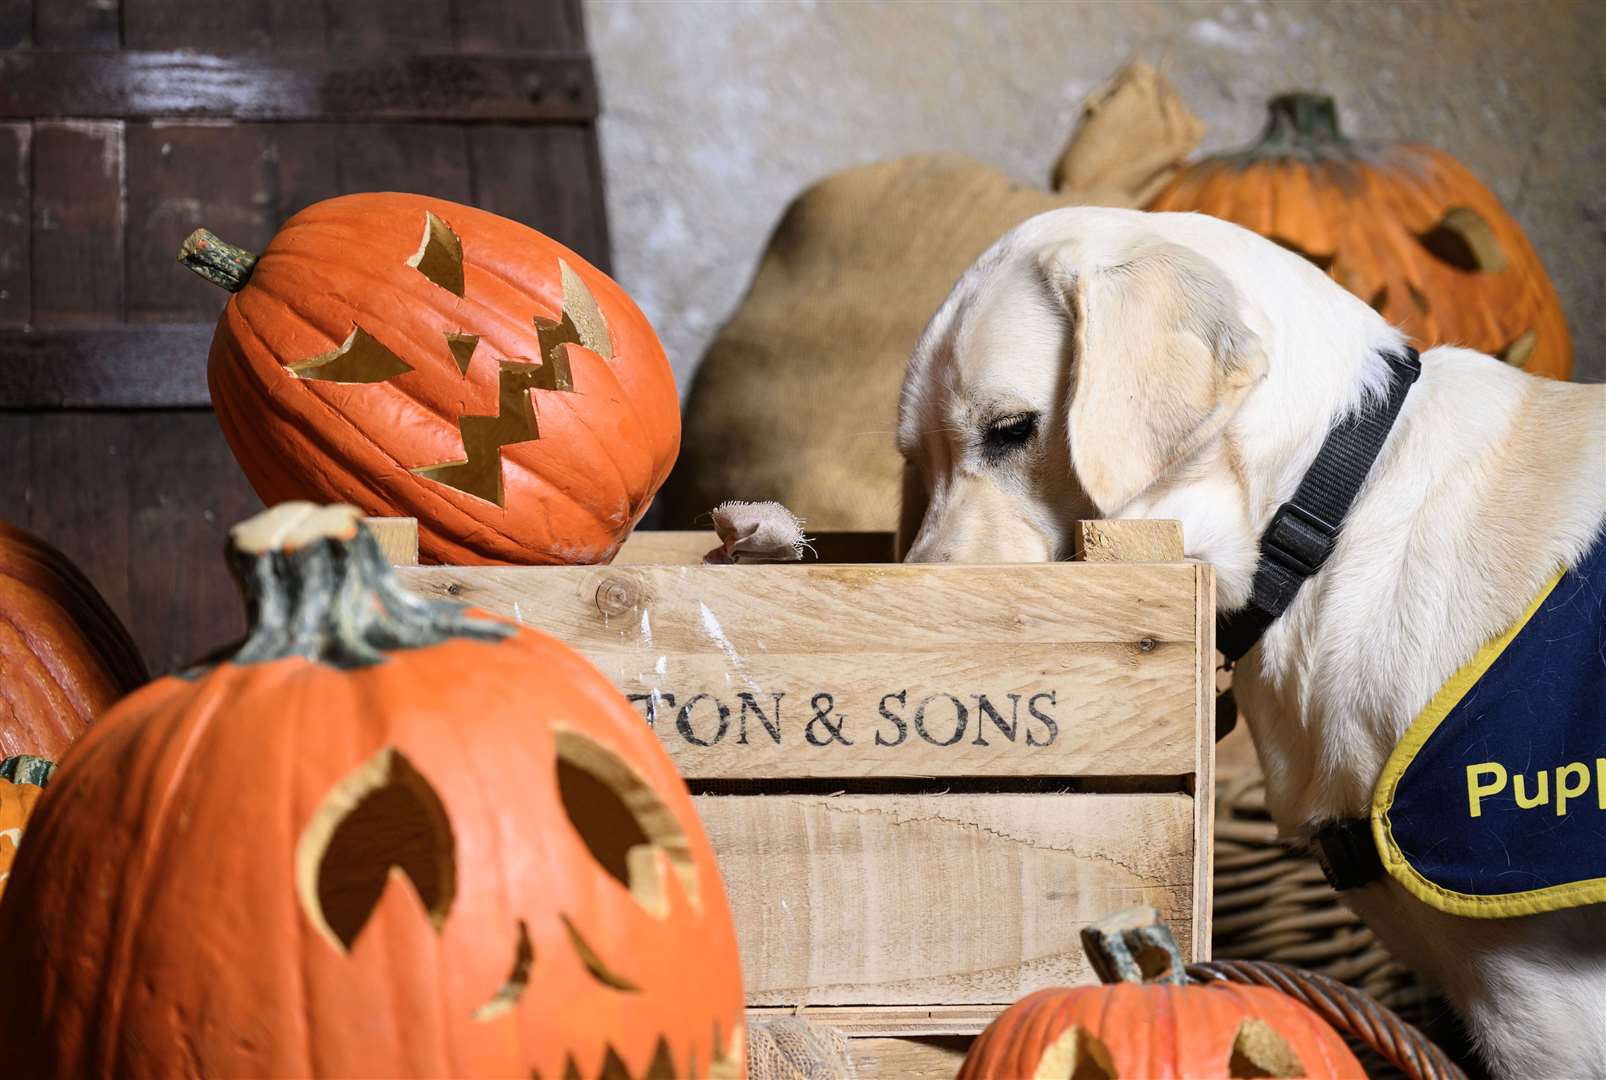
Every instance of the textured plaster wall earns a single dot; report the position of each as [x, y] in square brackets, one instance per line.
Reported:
[718, 113]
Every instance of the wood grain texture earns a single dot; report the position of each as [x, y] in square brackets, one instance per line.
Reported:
[958, 899]
[184, 175]
[185, 493]
[1204, 776]
[322, 85]
[1112, 540]
[397, 538]
[77, 234]
[547, 176]
[518, 24]
[880, 670]
[237, 26]
[16, 199]
[75, 23]
[141, 502]
[935, 1058]
[117, 367]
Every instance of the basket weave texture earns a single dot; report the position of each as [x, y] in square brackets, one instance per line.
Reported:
[1272, 903]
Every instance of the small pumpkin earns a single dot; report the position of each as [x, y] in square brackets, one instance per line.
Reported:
[64, 656]
[22, 778]
[1148, 1021]
[1405, 227]
[382, 837]
[419, 358]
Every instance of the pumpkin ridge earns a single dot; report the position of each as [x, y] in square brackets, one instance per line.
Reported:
[125, 930]
[77, 596]
[262, 392]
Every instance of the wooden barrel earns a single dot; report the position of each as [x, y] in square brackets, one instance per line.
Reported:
[126, 123]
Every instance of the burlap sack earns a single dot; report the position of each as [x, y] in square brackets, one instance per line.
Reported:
[796, 399]
[791, 1048]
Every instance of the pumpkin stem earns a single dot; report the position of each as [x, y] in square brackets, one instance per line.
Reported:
[316, 585]
[1133, 945]
[27, 769]
[218, 261]
[1300, 122]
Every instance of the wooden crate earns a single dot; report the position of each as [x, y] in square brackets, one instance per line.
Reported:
[921, 781]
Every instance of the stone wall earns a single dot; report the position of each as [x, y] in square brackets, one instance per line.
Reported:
[717, 114]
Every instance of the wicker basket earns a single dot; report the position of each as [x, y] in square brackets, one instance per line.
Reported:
[1272, 903]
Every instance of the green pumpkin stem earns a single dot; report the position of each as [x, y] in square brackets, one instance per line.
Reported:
[218, 261]
[1299, 122]
[317, 585]
[1133, 945]
[27, 769]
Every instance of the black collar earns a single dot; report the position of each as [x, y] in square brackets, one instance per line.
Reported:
[1303, 530]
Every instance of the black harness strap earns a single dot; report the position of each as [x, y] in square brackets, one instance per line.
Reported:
[1347, 853]
[1303, 530]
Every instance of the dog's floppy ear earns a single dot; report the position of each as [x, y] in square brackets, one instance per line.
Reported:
[1162, 359]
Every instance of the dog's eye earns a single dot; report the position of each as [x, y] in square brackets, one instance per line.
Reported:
[1009, 433]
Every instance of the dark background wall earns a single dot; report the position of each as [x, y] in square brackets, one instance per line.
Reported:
[113, 146]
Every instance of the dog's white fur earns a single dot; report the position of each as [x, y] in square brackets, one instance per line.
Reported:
[1182, 367]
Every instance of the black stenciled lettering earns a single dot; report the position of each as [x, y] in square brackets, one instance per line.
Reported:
[961, 718]
[902, 698]
[1048, 721]
[651, 700]
[822, 718]
[683, 720]
[986, 712]
[774, 728]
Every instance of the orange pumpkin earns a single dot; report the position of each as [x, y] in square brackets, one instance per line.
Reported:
[1406, 228]
[423, 359]
[22, 778]
[1152, 1023]
[64, 656]
[384, 837]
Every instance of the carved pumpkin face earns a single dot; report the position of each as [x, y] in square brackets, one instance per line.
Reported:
[419, 358]
[1153, 1023]
[385, 837]
[1406, 228]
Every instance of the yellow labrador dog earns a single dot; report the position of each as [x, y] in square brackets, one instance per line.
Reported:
[1111, 363]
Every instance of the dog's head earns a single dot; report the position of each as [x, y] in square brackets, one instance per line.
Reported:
[1083, 360]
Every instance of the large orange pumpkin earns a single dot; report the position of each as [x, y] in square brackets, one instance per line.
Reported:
[1152, 1024]
[423, 359]
[383, 837]
[1405, 227]
[64, 656]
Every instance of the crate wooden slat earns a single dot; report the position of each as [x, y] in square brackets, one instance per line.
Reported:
[906, 880]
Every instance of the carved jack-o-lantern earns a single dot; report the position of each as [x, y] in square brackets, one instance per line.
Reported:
[1405, 227]
[1152, 1023]
[382, 837]
[419, 358]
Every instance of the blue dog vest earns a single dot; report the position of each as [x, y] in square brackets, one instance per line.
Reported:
[1493, 804]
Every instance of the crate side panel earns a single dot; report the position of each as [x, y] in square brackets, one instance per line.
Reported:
[749, 672]
[959, 899]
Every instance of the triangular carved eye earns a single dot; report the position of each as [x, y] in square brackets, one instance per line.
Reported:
[383, 819]
[440, 255]
[363, 358]
[624, 824]
[1075, 1055]
[1258, 1050]
[1465, 239]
